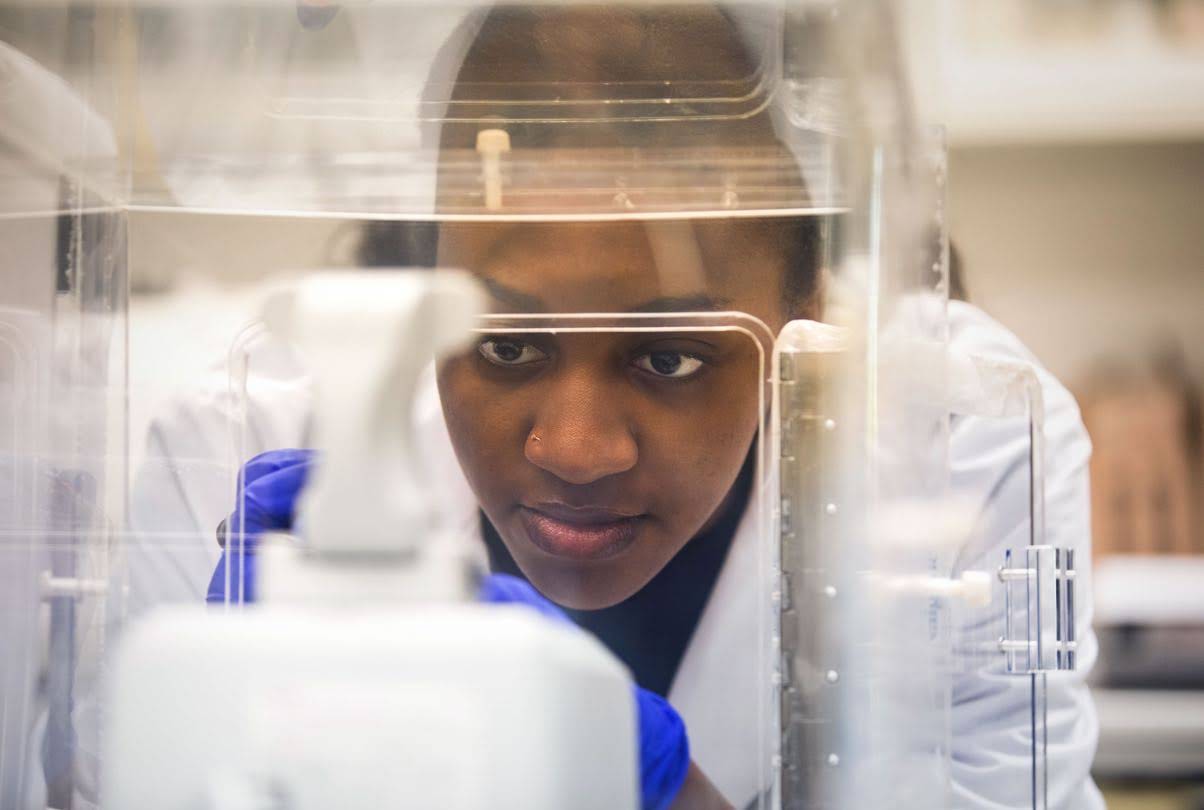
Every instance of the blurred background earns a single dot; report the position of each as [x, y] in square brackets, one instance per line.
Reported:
[1076, 134]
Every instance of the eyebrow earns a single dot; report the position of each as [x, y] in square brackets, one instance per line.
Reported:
[526, 302]
[521, 301]
[698, 302]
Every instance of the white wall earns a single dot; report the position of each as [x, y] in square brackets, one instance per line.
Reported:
[1085, 251]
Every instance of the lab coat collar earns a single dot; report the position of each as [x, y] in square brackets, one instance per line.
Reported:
[723, 689]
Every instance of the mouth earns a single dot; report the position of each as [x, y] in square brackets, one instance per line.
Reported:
[579, 533]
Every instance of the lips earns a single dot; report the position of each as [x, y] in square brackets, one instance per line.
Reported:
[589, 533]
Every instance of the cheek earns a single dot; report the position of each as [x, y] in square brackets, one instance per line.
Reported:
[695, 452]
[482, 427]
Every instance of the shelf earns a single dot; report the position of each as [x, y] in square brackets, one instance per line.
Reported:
[1029, 71]
[1091, 96]
[1146, 733]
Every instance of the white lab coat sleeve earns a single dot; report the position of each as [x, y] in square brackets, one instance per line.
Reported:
[186, 481]
[175, 505]
[991, 763]
[722, 689]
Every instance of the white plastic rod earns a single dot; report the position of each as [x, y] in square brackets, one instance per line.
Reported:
[972, 587]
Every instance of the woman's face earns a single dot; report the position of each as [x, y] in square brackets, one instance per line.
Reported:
[599, 455]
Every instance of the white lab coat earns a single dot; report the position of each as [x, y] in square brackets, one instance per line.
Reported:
[187, 487]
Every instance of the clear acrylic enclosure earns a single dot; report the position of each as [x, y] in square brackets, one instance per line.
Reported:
[707, 411]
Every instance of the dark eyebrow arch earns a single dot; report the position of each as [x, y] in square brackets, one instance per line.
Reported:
[699, 302]
[525, 302]
[520, 301]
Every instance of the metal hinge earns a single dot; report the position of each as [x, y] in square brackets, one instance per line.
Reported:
[1038, 610]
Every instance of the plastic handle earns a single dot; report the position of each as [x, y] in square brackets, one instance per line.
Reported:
[368, 338]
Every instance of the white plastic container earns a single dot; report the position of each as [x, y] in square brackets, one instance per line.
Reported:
[454, 707]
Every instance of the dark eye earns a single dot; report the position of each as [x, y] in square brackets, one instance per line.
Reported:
[507, 352]
[673, 365]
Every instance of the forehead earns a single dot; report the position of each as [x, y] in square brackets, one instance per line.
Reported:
[621, 266]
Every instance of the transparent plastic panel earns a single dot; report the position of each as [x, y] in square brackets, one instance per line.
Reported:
[706, 414]
[407, 109]
[868, 534]
[893, 522]
[604, 438]
[1028, 628]
[865, 546]
[62, 486]
[63, 500]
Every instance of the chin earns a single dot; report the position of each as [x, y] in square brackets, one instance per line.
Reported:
[576, 591]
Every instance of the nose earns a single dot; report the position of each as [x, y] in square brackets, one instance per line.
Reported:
[580, 434]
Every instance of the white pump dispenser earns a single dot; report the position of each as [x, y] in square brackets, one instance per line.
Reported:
[368, 531]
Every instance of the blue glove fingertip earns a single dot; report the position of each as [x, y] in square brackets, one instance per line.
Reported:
[240, 589]
[664, 750]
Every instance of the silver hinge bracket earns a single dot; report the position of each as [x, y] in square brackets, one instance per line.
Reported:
[1038, 584]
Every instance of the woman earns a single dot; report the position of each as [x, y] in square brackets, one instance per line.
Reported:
[613, 469]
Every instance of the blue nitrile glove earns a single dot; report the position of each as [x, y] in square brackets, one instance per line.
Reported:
[664, 749]
[268, 489]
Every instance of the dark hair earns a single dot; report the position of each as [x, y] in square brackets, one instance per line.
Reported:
[398, 244]
[803, 243]
[957, 280]
[803, 240]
